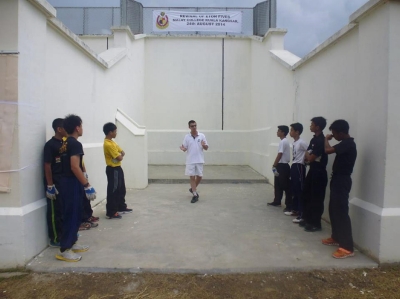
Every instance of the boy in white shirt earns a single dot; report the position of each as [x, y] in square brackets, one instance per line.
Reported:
[281, 170]
[297, 171]
[194, 143]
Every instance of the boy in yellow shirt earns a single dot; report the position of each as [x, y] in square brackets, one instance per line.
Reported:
[116, 191]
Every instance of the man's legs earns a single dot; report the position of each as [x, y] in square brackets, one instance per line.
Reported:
[112, 185]
[339, 212]
[72, 191]
[316, 208]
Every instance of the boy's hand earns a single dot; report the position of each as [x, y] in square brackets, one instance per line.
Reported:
[90, 193]
[122, 153]
[329, 137]
[51, 192]
[184, 149]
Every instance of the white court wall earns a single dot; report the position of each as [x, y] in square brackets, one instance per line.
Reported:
[98, 43]
[272, 100]
[353, 79]
[58, 75]
[183, 81]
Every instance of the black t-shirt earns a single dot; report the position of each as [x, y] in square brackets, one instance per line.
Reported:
[72, 148]
[346, 154]
[52, 155]
[317, 145]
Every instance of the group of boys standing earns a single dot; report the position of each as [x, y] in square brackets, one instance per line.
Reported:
[68, 190]
[305, 194]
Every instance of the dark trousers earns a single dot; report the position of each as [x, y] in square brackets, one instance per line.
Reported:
[87, 211]
[282, 184]
[339, 211]
[115, 190]
[54, 216]
[72, 193]
[314, 195]
[297, 177]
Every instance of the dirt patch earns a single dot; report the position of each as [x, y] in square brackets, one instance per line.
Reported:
[361, 283]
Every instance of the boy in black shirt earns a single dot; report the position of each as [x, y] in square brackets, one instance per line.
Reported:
[73, 185]
[53, 171]
[313, 195]
[346, 154]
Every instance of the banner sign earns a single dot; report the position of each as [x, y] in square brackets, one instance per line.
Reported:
[225, 21]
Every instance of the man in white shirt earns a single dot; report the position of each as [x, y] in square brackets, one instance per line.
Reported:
[281, 170]
[193, 144]
[297, 171]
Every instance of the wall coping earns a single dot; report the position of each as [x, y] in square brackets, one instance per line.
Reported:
[326, 44]
[365, 9]
[45, 7]
[73, 38]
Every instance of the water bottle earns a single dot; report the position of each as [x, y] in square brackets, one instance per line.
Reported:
[276, 173]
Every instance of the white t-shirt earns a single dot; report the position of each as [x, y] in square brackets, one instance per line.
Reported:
[194, 153]
[284, 148]
[299, 151]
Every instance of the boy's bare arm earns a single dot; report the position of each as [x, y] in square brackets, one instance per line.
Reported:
[277, 159]
[328, 148]
[77, 171]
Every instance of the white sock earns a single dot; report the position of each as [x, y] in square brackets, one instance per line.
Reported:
[195, 193]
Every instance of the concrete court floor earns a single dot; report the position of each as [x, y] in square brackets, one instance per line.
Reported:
[229, 230]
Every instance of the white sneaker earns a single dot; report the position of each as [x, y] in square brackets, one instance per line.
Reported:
[297, 219]
[68, 256]
[79, 248]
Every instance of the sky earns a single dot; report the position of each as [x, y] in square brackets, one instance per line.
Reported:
[309, 22]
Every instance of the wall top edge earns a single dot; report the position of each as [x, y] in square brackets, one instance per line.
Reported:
[74, 39]
[113, 55]
[326, 44]
[127, 29]
[45, 7]
[286, 58]
[95, 35]
[197, 36]
[365, 9]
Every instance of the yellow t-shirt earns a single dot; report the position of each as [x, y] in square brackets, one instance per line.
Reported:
[111, 151]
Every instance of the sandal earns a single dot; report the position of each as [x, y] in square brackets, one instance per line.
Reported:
[85, 226]
[93, 224]
[93, 219]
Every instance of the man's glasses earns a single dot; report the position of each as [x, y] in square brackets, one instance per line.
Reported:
[192, 126]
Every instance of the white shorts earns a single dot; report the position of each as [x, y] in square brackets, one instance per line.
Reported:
[194, 169]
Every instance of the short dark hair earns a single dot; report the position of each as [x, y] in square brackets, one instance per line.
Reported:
[109, 127]
[284, 129]
[71, 121]
[298, 127]
[57, 123]
[340, 126]
[191, 122]
[320, 122]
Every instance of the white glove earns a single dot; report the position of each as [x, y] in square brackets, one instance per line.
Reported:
[51, 192]
[90, 193]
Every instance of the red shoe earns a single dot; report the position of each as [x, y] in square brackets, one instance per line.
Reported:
[342, 253]
[85, 226]
[330, 242]
[93, 219]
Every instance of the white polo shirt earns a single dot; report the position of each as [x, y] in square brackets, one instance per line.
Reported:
[299, 151]
[194, 153]
[284, 148]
